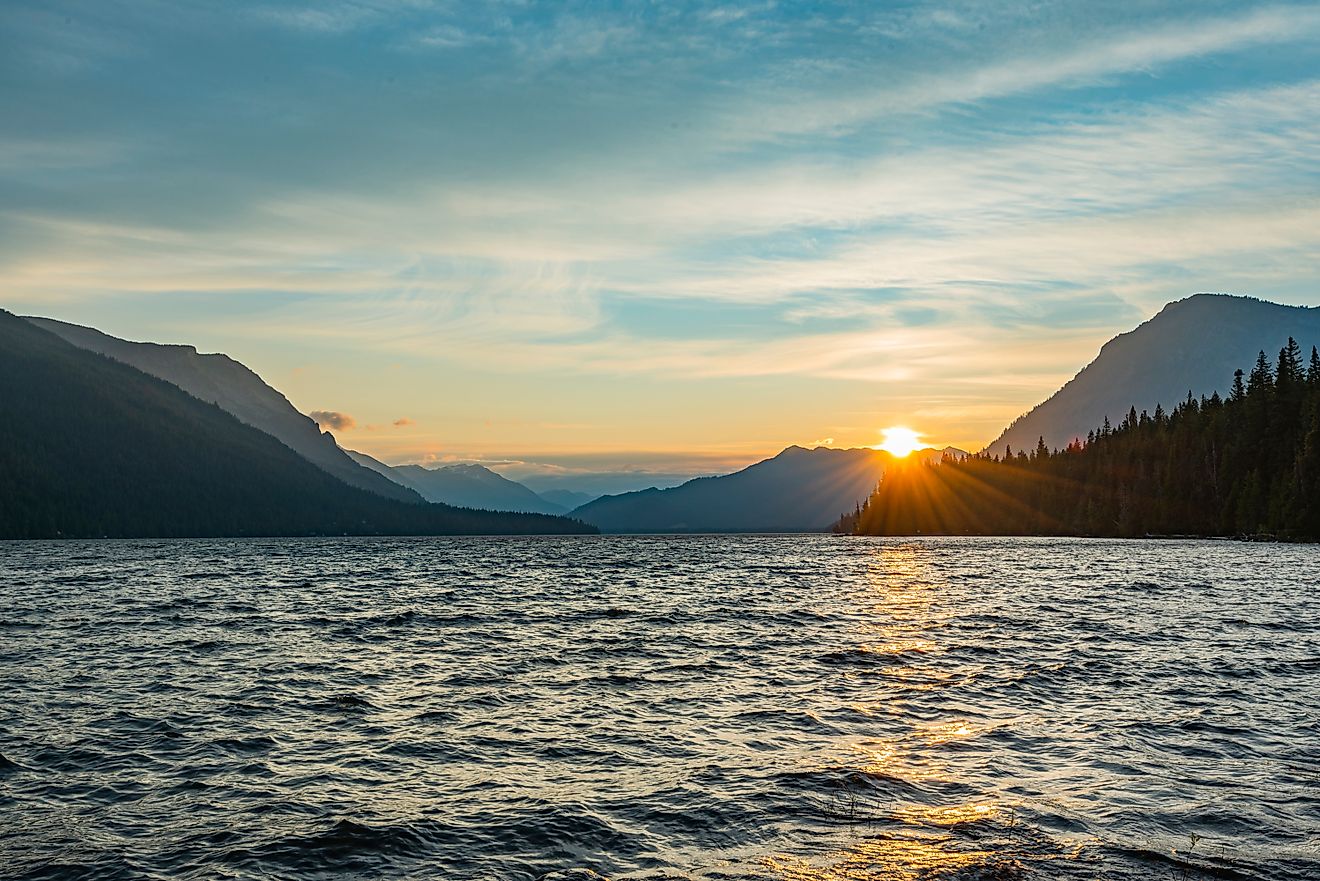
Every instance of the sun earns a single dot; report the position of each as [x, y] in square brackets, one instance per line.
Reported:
[900, 441]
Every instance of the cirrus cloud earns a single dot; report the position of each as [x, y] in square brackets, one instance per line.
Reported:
[933, 210]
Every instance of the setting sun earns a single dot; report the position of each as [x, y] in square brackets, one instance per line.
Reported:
[900, 441]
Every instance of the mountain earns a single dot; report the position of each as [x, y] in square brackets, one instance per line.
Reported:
[1191, 345]
[799, 490]
[566, 498]
[467, 486]
[91, 447]
[474, 486]
[234, 388]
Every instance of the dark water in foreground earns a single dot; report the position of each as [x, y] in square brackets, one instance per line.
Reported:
[706, 707]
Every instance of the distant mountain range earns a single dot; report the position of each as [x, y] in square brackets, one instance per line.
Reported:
[1191, 345]
[93, 447]
[468, 486]
[799, 490]
[220, 380]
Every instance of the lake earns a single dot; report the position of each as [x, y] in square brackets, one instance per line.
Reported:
[710, 707]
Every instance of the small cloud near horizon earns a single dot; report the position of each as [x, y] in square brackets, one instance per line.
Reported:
[403, 421]
[333, 419]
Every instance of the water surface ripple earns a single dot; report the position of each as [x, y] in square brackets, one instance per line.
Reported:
[750, 707]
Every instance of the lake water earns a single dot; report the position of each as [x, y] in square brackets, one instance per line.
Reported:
[749, 707]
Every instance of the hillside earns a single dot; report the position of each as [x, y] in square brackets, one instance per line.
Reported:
[799, 490]
[1191, 345]
[237, 390]
[92, 447]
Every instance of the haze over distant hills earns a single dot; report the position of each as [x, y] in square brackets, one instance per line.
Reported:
[237, 390]
[582, 486]
[799, 490]
[566, 499]
[468, 486]
[93, 447]
[1193, 345]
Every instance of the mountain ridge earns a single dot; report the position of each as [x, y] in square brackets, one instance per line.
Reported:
[92, 447]
[1193, 344]
[465, 485]
[237, 389]
[796, 490]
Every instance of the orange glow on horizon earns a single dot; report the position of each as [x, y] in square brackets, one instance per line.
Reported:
[900, 441]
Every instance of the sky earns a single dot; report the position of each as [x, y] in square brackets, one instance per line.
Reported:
[644, 240]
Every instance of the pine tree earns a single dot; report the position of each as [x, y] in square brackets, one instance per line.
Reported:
[1289, 371]
[1261, 378]
[1304, 513]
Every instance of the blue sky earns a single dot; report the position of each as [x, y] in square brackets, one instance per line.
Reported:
[653, 237]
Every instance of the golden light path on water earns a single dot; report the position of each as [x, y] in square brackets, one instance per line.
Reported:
[901, 608]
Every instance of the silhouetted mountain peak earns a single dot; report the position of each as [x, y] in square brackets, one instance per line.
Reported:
[158, 461]
[796, 490]
[1193, 344]
[238, 390]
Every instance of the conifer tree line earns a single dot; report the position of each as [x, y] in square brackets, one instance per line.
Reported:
[1248, 465]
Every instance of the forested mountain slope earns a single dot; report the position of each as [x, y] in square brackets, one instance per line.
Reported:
[1191, 345]
[236, 389]
[92, 447]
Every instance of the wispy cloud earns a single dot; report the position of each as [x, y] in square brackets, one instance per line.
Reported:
[335, 16]
[892, 198]
[1087, 59]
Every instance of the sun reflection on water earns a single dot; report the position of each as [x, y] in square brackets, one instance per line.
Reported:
[947, 732]
[893, 858]
[901, 794]
[902, 647]
[946, 815]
